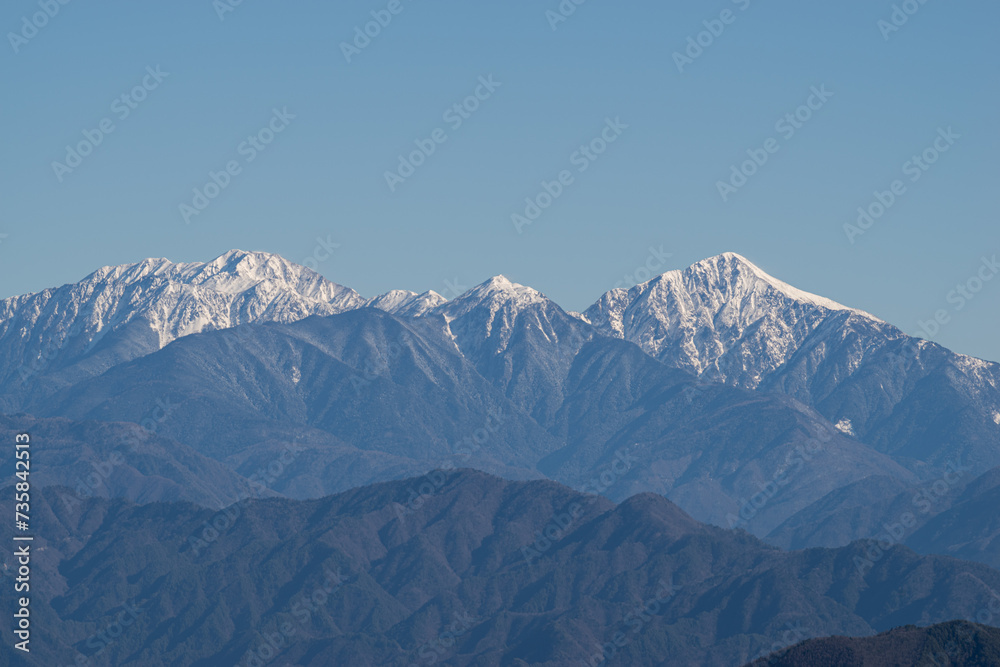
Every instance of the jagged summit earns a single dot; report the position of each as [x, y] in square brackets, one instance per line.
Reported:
[722, 315]
[735, 267]
[498, 307]
[407, 303]
[233, 271]
[168, 300]
[496, 292]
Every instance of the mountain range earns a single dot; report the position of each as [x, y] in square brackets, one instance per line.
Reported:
[707, 399]
[717, 377]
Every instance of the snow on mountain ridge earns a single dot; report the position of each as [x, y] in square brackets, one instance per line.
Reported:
[498, 300]
[406, 303]
[723, 316]
[497, 290]
[175, 299]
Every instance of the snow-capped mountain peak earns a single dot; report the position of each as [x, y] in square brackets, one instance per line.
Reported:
[723, 315]
[498, 291]
[166, 299]
[736, 267]
[406, 303]
[492, 308]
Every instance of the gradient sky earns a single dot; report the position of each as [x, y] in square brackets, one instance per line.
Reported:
[655, 186]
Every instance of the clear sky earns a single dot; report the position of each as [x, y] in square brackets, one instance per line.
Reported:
[555, 84]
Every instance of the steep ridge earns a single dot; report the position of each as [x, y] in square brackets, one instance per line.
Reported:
[722, 316]
[519, 340]
[726, 320]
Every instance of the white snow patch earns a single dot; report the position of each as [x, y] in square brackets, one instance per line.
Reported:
[845, 427]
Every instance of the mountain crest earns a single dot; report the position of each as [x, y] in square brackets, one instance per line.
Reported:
[160, 301]
[723, 315]
[497, 293]
[740, 274]
[406, 303]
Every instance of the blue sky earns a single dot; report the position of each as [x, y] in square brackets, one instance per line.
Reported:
[323, 176]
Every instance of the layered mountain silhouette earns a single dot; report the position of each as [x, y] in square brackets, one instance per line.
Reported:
[470, 570]
[748, 402]
[242, 462]
[372, 397]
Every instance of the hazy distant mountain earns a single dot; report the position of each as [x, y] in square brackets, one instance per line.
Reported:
[953, 644]
[365, 395]
[120, 460]
[385, 578]
[518, 573]
[723, 319]
[969, 527]
[370, 397]
[946, 515]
